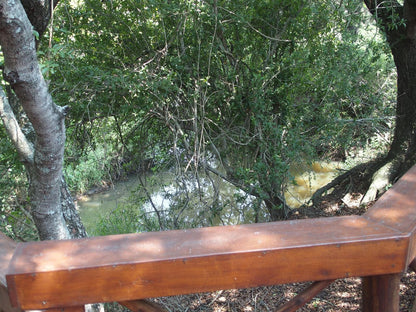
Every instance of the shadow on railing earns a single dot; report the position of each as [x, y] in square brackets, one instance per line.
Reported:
[377, 246]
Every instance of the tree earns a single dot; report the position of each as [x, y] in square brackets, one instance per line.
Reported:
[397, 21]
[255, 87]
[52, 207]
[264, 94]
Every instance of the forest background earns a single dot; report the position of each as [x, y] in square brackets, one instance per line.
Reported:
[230, 90]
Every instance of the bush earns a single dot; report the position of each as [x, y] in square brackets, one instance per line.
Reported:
[90, 170]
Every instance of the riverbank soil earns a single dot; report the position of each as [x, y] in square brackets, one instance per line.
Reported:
[342, 295]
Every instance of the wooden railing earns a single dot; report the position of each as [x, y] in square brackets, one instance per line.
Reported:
[377, 246]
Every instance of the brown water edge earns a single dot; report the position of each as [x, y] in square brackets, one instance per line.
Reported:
[308, 179]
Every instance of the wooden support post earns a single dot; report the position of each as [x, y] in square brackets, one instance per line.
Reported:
[412, 265]
[303, 298]
[5, 305]
[381, 293]
[142, 306]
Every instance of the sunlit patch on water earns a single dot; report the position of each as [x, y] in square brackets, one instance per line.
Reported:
[308, 179]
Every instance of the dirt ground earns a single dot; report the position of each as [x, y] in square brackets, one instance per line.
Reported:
[342, 295]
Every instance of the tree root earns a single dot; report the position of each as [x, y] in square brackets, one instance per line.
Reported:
[363, 172]
[317, 196]
[379, 183]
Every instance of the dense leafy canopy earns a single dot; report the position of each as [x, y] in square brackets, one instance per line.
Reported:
[243, 89]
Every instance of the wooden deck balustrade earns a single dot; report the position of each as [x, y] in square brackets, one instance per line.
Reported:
[377, 246]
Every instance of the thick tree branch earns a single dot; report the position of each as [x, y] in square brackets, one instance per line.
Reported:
[410, 16]
[394, 19]
[19, 140]
[382, 8]
[388, 14]
[21, 70]
[39, 13]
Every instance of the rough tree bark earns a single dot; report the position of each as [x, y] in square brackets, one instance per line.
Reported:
[51, 205]
[398, 22]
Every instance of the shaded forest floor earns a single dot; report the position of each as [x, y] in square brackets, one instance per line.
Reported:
[342, 295]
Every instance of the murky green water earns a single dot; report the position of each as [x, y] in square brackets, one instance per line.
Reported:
[234, 207]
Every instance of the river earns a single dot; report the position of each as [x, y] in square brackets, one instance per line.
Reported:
[235, 206]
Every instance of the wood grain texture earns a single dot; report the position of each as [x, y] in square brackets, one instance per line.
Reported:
[397, 209]
[137, 266]
[67, 309]
[53, 274]
[381, 293]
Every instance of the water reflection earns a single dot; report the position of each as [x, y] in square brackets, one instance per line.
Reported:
[197, 206]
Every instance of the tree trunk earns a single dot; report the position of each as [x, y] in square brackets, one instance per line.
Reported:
[404, 144]
[398, 22]
[277, 208]
[44, 159]
[71, 216]
[401, 37]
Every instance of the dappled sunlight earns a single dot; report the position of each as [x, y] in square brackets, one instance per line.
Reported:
[358, 223]
[134, 266]
[397, 207]
[261, 299]
[180, 244]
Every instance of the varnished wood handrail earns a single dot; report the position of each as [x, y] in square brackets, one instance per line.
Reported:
[55, 274]
[396, 209]
[126, 267]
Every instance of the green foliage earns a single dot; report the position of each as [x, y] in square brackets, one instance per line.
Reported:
[251, 88]
[121, 220]
[256, 86]
[15, 220]
[131, 217]
[90, 170]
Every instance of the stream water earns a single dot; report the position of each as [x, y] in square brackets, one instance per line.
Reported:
[235, 205]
